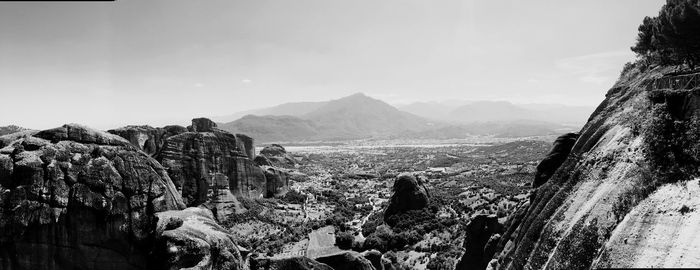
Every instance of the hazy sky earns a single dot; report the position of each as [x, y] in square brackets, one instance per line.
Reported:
[109, 64]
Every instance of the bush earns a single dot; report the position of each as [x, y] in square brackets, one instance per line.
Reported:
[441, 262]
[583, 242]
[639, 189]
[344, 240]
[294, 196]
[672, 146]
[372, 222]
[376, 242]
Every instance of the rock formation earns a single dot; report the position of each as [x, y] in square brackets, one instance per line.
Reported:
[292, 263]
[77, 198]
[262, 161]
[247, 143]
[482, 236]
[210, 166]
[186, 239]
[374, 257]
[8, 138]
[202, 125]
[278, 156]
[148, 139]
[348, 260]
[207, 160]
[560, 150]
[597, 198]
[409, 194]
[277, 181]
[4, 130]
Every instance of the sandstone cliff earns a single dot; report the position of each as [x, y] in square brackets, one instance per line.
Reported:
[148, 139]
[211, 166]
[276, 155]
[593, 211]
[409, 194]
[76, 198]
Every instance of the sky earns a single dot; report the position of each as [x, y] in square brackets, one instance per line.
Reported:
[158, 62]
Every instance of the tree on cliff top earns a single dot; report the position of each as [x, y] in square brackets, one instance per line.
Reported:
[673, 37]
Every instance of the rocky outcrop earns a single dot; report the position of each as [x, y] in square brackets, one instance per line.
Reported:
[292, 263]
[202, 125]
[4, 130]
[262, 161]
[194, 160]
[374, 257]
[348, 260]
[8, 138]
[76, 198]
[409, 194]
[482, 235]
[596, 199]
[277, 181]
[148, 139]
[192, 239]
[278, 156]
[247, 143]
[560, 150]
[210, 166]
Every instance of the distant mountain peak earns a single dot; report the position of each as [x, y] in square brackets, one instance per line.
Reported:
[357, 96]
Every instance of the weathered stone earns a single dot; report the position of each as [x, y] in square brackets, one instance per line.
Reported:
[293, 263]
[262, 161]
[348, 260]
[148, 139]
[202, 125]
[278, 156]
[196, 160]
[482, 235]
[250, 179]
[64, 195]
[409, 194]
[375, 257]
[248, 144]
[192, 239]
[192, 158]
[559, 153]
[277, 181]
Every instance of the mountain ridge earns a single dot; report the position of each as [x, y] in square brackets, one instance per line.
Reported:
[359, 116]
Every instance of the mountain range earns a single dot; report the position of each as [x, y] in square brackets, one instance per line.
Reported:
[4, 130]
[352, 117]
[359, 116]
[488, 111]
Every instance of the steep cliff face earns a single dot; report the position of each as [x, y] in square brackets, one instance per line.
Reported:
[560, 151]
[148, 139]
[206, 160]
[72, 198]
[596, 198]
[482, 235]
[277, 181]
[191, 239]
[276, 155]
[212, 166]
[77, 198]
[409, 194]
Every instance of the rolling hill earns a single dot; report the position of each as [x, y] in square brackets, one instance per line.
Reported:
[361, 117]
[353, 117]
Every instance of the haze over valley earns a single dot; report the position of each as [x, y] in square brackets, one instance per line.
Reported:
[349, 135]
[362, 117]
